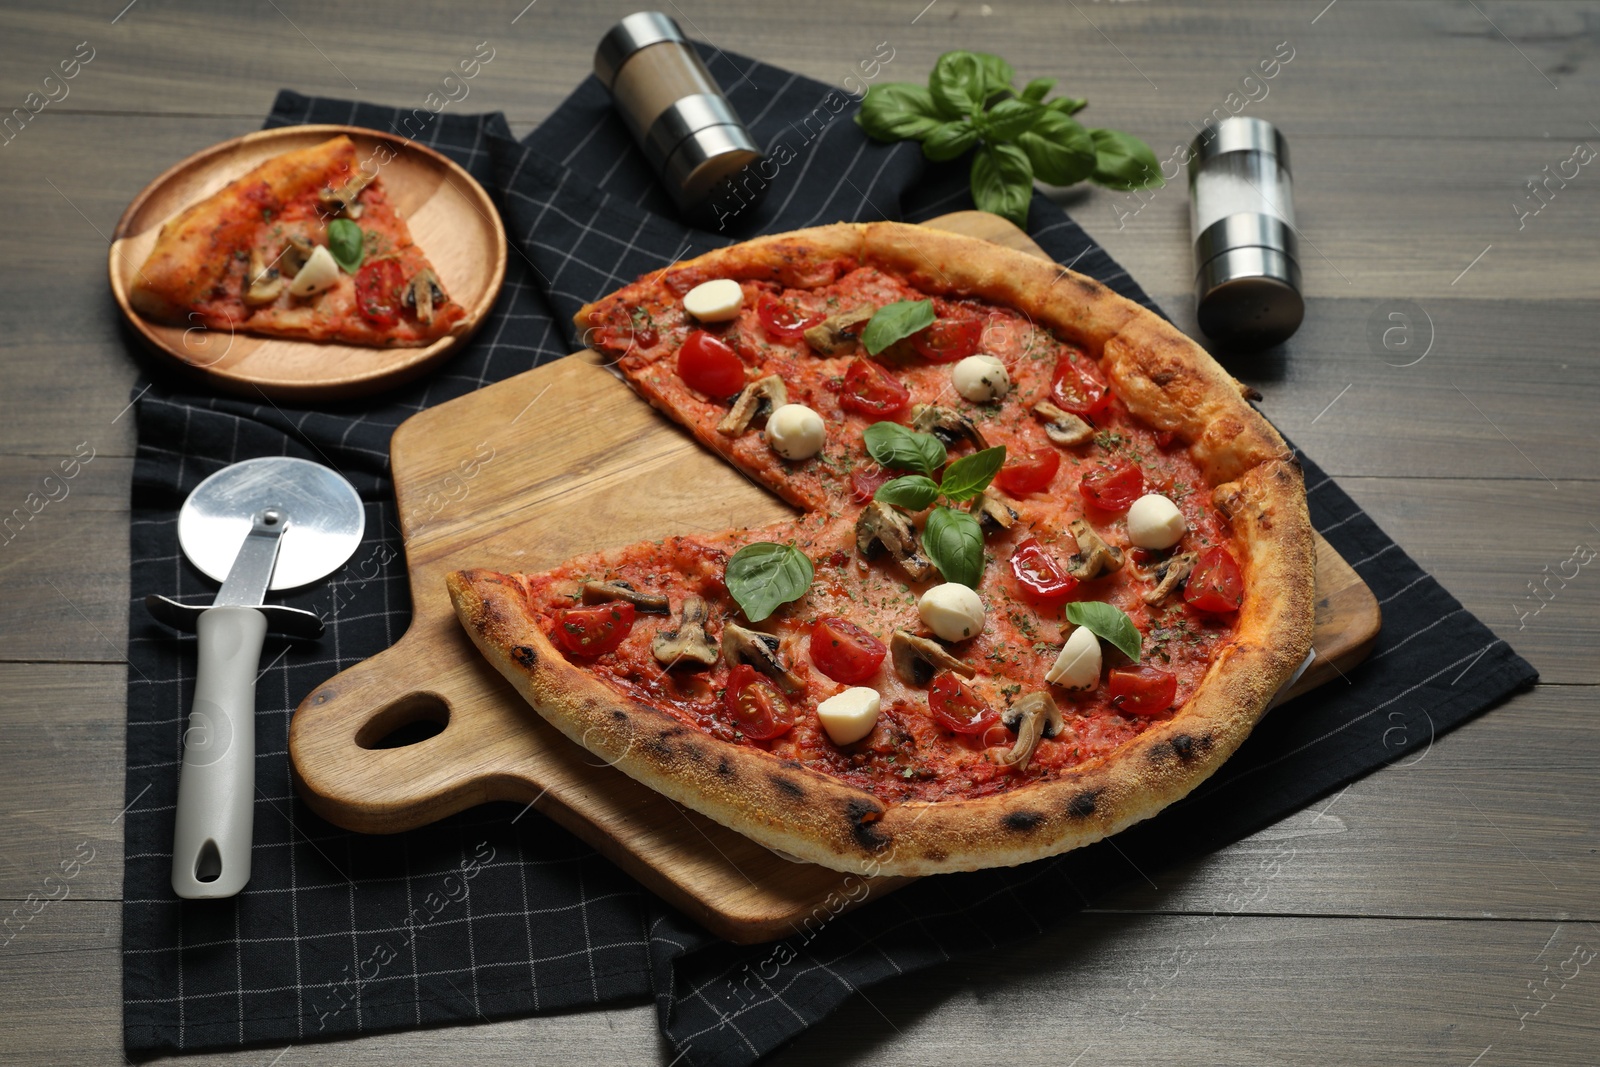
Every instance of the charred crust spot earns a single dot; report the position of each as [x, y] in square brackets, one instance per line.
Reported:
[1082, 805]
[787, 786]
[724, 768]
[619, 715]
[1163, 377]
[694, 752]
[1086, 286]
[1022, 821]
[525, 655]
[864, 818]
[674, 731]
[658, 748]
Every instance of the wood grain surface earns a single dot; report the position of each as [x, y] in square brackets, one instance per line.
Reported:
[1420, 902]
[449, 215]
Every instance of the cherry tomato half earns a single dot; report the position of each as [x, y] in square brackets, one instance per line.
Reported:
[378, 292]
[1113, 488]
[782, 321]
[955, 707]
[755, 705]
[1077, 388]
[1039, 577]
[1215, 584]
[948, 340]
[1027, 471]
[865, 483]
[844, 651]
[708, 365]
[1142, 690]
[591, 631]
[870, 390]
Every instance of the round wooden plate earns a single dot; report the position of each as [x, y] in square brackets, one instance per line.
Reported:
[451, 218]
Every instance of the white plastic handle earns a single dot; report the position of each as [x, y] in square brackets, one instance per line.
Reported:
[217, 784]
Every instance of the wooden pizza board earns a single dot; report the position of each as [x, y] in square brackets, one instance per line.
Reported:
[519, 476]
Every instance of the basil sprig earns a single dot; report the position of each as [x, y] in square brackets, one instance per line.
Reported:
[901, 449]
[952, 539]
[764, 576]
[969, 103]
[893, 321]
[1107, 622]
[346, 242]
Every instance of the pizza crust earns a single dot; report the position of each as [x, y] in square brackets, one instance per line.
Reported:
[1166, 379]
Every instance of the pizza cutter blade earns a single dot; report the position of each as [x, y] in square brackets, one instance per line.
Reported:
[270, 523]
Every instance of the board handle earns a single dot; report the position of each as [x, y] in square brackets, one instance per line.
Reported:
[341, 736]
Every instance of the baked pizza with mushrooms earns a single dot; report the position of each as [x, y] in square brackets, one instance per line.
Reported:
[1047, 571]
[305, 245]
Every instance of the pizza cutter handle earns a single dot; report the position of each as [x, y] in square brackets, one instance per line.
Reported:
[217, 782]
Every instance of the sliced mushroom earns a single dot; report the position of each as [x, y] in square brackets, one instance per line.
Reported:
[1062, 427]
[992, 513]
[424, 294]
[294, 255]
[918, 659]
[265, 282]
[649, 603]
[760, 651]
[1094, 556]
[1033, 717]
[947, 424]
[686, 642]
[883, 527]
[343, 199]
[833, 332]
[766, 393]
[1169, 574]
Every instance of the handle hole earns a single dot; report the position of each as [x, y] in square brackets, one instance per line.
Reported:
[409, 721]
[208, 865]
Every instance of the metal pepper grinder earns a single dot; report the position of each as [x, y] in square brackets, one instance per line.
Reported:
[674, 109]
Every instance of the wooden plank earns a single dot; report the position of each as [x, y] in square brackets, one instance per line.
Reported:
[1223, 989]
[64, 551]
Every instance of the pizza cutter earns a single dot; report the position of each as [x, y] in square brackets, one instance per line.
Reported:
[270, 523]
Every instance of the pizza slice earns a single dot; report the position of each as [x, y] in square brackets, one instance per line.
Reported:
[1048, 571]
[306, 245]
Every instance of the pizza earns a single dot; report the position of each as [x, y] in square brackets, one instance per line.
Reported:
[306, 245]
[1048, 566]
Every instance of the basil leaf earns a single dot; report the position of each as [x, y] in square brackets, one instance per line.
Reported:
[958, 85]
[997, 73]
[953, 540]
[971, 475]
[898, 448]
[1010, 119]
[893, 321]
[345, 241]
[1122, 161]
[914, 491]
[949, 139]
[1067, 105]
[898, 111]
[1034, 92]
[764, 576]
[1002, 182]
[1061, 151]
[1107, 623]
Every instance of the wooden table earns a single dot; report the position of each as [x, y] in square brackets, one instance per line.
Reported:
[1423, 908]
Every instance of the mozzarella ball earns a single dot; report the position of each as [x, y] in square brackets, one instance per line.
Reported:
[714, 301]
[796, 432]
[981, 379]
[952, 611]
[320, 272]
[1078, 664]
[849, 716]
[1155, 522]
